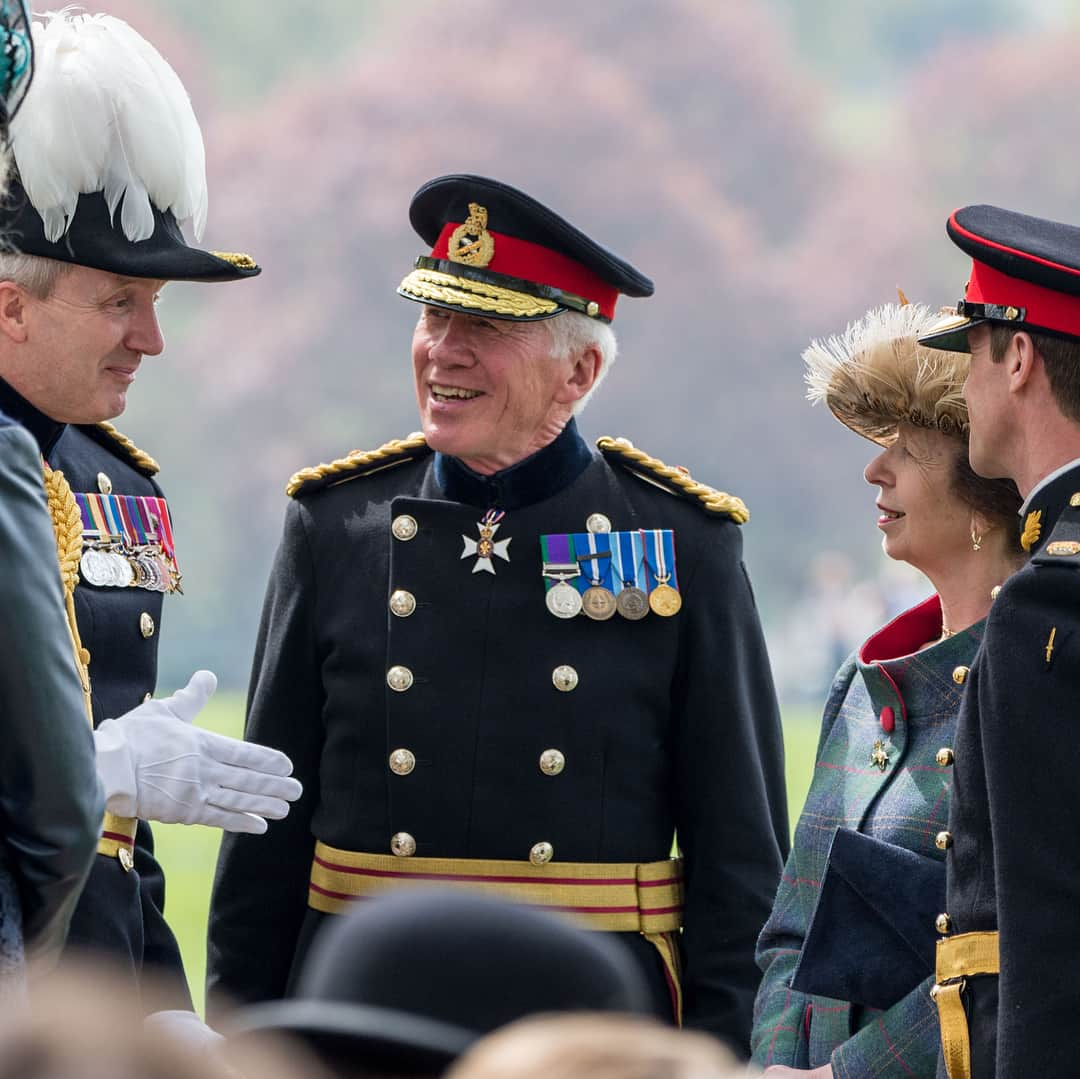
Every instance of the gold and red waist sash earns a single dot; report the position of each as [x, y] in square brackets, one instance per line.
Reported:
[960, 957]
[614, 897]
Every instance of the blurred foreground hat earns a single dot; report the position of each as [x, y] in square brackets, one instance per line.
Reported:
[109, 158]
[411, 980]
[876, 375]
[498, 252]
[1025, 274]
[16, 58]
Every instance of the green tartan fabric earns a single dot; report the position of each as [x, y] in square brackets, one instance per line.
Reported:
[907, 805]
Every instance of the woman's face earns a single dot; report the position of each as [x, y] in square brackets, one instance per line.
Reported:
[923, 522]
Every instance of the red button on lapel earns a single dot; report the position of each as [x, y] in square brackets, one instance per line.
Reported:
[887, 720]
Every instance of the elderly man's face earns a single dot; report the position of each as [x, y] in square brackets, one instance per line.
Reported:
[85, 343]
[489, 391]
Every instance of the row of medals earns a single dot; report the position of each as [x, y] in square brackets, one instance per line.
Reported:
[565, 601]
[122, 567]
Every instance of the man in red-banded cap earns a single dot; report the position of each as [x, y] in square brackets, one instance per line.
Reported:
[502, 659]
[1008, 963]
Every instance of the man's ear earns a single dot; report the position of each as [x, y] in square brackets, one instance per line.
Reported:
[583, 375]
[1020, 360]
[13, 311]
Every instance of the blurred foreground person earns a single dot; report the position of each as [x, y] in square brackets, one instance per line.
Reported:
[50, 800]
[83, 1022]
[1013, 858]
[596, 1047]
[404, 984]
[498, 656]
[93, 208]
[847, 952]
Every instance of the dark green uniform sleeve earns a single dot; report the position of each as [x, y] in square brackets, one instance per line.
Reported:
[50, 799]
[261, 886]
[732, 822]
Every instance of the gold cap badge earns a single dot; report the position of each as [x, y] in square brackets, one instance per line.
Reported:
[471, 243]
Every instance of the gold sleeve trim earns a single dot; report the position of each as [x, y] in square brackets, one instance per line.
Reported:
[675, 480]
[140, 459]
[356, 464]
[479, 295]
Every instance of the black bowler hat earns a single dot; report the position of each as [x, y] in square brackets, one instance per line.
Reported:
[109, 158]
[411, 979]
[1025, 274]
[498, 252]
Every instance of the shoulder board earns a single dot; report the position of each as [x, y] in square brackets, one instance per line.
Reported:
[676, 481]
[359, 463]
[1063, 545]
[122, 446]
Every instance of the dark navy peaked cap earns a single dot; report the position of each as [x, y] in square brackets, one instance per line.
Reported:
[497, 251]
[1025, 273]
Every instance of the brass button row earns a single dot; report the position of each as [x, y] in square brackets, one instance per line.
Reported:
[400, 678]
[403, 845]
[403, 761]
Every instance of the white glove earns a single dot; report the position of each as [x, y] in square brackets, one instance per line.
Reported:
[156, 766]
[183, 1028]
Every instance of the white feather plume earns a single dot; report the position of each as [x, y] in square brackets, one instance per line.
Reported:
[105, 112]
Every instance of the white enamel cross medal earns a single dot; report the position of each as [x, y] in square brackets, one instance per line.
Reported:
[487, 547]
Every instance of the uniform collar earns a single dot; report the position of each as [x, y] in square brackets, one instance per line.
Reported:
[46, 431]
[910, 681]
[1048, 498]
[538, 477]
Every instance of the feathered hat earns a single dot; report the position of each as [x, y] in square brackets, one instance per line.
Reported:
[109, 159]
[875, 375]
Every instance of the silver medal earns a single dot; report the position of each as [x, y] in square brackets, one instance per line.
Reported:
[564, 601]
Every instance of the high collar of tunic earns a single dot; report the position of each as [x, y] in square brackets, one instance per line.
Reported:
[538, 477]
[46, 431]
[913, 682]
[1049, 498]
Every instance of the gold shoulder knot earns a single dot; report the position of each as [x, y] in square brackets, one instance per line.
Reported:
[356, 464]
[676, 481]
[141, 460]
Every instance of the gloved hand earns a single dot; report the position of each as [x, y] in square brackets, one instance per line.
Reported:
[156, 766]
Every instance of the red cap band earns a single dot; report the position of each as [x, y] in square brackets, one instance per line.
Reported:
[541, 265]
[1044, 307]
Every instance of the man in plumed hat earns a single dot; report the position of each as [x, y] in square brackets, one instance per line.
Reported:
[1008, 961]
[502, 658]
[94, 210]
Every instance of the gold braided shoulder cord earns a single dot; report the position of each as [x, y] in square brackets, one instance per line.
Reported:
[354, 461]
[713, 500]
[67, 527]
[138, 457]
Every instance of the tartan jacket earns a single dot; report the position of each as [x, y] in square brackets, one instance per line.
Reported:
[906, 804]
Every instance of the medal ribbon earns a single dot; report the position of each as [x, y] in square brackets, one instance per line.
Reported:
[596, 564]
[160, 511]
[626, 554]
[558, 549]
[660, 557]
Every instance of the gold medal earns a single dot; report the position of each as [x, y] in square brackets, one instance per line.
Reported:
[598, 603]
[664, 600]
[564, 600]
[632, 603]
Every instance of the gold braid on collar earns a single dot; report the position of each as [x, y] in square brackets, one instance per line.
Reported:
[141, 460]
[356, 464]
[676, 481]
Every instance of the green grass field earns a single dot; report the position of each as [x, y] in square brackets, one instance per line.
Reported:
[189, 854]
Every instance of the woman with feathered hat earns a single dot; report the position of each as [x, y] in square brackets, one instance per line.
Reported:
[848, 951]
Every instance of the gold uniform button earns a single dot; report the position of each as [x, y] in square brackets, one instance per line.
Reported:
[597, 522]
[104, 484]
[592, 309]
[943, 840]
[404, 527]
[402, 762]
[541, 853]
[146, 625]
[959, 675]
[945, 756]
[995, 591]
[552, 762]
[402, 844]
[399, 679]
[943, 924]
[1074, 501]
[402, 603]
[127, 863]
[565, 678]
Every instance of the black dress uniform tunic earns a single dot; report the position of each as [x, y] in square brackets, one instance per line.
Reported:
[662, 724]
[1013, 859]
[120, 912]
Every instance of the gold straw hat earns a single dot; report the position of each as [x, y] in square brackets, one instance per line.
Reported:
[875, 375]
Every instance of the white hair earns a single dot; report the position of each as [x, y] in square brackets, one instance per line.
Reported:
[36, 274]
[572, 333]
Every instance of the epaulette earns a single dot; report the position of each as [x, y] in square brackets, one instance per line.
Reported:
[109, 437]
[1063, 544]
[676, 481]
[359, 463]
